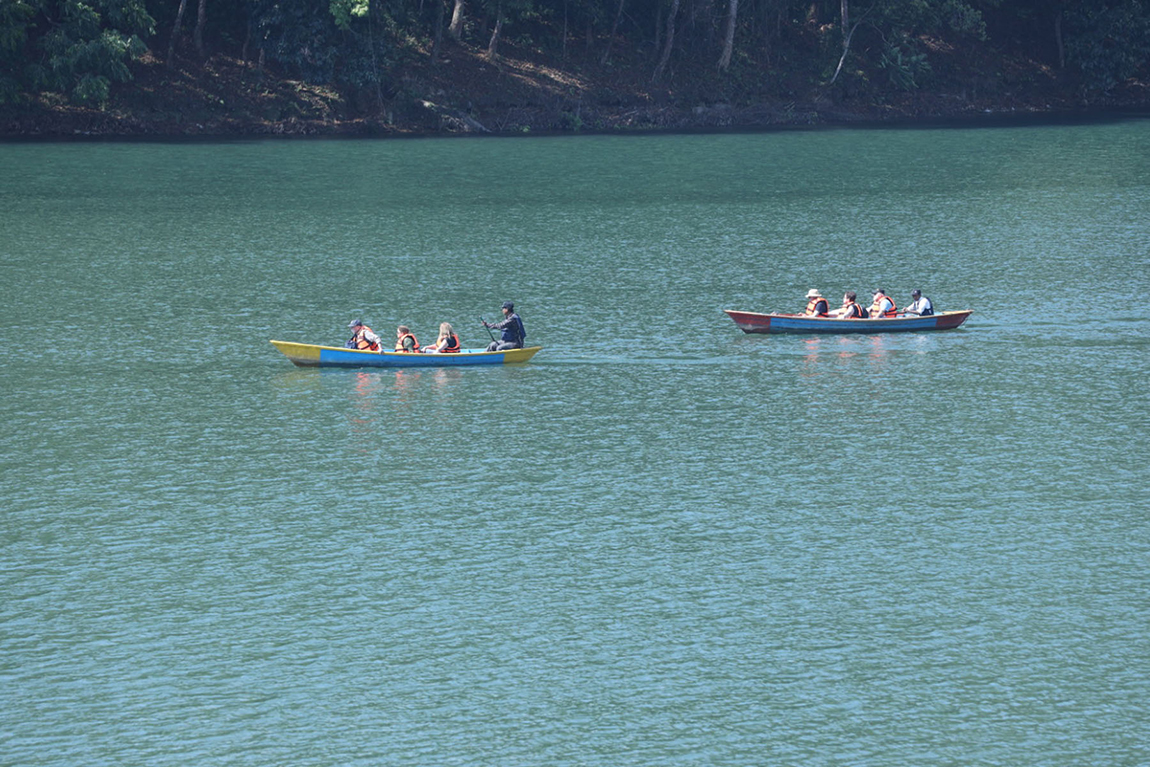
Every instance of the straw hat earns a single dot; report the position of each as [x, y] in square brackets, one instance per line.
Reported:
[812, 293]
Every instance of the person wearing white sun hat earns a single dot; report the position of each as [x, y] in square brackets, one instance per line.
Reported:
[817, 306]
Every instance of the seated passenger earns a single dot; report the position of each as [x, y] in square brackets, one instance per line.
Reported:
[405, 341]
[850, 309]
[883, 305]
[447, 342]
[362, 338]
[817, 306]
[920, 305]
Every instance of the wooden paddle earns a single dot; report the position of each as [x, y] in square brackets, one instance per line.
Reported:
[484, 323]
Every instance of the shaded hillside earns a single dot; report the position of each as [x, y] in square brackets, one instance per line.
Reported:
[527, 91]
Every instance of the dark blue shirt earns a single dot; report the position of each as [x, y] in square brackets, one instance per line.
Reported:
[511, 329]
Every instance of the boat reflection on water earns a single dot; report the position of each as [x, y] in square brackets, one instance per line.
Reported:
[399, 390]
[825, 354]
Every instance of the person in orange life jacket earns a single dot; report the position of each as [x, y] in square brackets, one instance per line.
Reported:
[362, 338]
[850, 308]
[510, 328]
[883, 305]
[817, 306]
[920, 305]
[404, 340]
[447, 342]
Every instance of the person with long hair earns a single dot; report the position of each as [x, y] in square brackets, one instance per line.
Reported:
[447, 343]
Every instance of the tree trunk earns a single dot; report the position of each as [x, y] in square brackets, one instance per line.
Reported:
[374, 60]
[438, 31]
[176, 32]
[669, 42]
[729, 38]
[492, 47]
[846, 50]
[1058, 39]
[198, 35]
[456, 28]
[563, 53]
[658, 42]
[848, 33]
[611, 37]
[845, 13]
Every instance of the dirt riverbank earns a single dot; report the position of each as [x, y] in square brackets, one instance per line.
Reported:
[518, 93]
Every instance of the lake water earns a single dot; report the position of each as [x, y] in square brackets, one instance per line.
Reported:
[660, 542]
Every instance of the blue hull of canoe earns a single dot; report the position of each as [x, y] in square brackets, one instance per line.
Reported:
[311, 355]
[755, 322]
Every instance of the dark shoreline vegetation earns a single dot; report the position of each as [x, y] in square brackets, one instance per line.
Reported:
[210, 68]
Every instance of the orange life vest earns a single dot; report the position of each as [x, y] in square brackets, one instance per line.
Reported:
[399, 343]
[452, 344]
[877, 305]
[857, 311]
[361, 342]
[813, 304]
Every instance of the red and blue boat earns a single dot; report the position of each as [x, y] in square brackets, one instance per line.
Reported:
[805, 324]
[313, 356]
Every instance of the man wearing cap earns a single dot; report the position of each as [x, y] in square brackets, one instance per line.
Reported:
[511, 331]
[817, 306]
[883, 306]
[362, 338]
[920, 305]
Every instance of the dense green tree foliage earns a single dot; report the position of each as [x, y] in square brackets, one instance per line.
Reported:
[78, 48]
[1109, 41]
[71, 47]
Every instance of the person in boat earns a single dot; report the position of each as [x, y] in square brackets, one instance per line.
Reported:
[447, 343]
[511, 330]
[850, 309]
[817, 306]
[363, 338]
[920, 305]
[883, 305]
[404, 340]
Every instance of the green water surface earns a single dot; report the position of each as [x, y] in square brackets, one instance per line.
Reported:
[661, 542]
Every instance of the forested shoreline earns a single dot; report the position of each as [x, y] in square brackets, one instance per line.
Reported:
[415, 67]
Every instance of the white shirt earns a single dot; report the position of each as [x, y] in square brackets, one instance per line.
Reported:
[919, 307]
